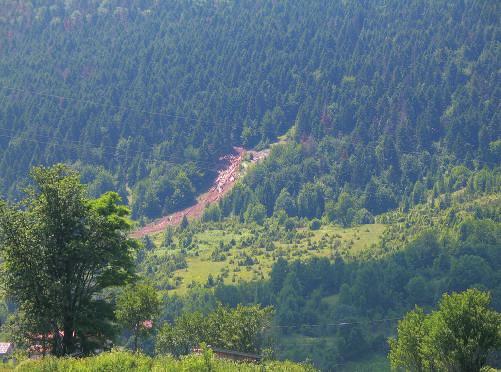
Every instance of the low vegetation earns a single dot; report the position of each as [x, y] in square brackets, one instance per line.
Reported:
[126, 361]
[231, 252]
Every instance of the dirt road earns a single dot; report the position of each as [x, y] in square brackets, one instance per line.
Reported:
[223, 183]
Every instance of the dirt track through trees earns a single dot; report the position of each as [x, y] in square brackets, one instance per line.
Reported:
[224, 182]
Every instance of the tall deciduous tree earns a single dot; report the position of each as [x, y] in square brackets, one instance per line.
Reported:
[239, 329]
[137, 308]
[405, 350]
[60, 251]
[456, 337]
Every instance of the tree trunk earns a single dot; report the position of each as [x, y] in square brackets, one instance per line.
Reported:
[136, 334]
[68, 340]
[57, 342]
[44, 344]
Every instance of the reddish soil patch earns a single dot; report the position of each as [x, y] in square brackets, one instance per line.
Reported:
[224, 182]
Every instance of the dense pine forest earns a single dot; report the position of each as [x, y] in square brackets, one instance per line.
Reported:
[144, 96]
[380, 193]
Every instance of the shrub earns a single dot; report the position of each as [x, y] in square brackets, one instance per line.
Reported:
[125, 361]
[315, 224]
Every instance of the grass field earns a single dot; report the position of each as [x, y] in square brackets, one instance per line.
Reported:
[241, 261]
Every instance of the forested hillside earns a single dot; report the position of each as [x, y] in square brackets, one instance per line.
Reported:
[378, 187]
[337, 292]
[144, 96]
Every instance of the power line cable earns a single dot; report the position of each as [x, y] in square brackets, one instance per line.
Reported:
[156, 113]
[78, 144]
[106, 150]
[339, 324]
[109, 105]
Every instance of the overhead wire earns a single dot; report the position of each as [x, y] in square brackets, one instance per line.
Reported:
[110, 105]
[148, 156]
[176, 116]
[11, 133]
[207, 165]
[108, 150]
[339, 324]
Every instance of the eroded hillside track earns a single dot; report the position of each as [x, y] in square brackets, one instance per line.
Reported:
[226, 178]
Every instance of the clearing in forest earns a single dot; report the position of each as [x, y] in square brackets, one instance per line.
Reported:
[236, 253]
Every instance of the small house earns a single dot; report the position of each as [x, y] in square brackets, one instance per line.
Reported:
[6, 349]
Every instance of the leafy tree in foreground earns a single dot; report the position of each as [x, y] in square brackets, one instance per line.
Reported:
[405, 350]
[137, 307]
[60, 251]
[457, 337]
[179, 338]
[239, 329]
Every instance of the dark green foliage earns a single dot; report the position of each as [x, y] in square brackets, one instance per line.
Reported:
[380, 94]
[255, 212]
[352, 342]
[467, 270]
[285, 203]
[61, 251]
[212, 213]
[184, 224]
[278, 274]
[168, 237]
[310, 201]
[418, 290]
[239, 329]
[315, 224]
[290, 300]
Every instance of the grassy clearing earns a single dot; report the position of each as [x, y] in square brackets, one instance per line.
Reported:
[244, 262]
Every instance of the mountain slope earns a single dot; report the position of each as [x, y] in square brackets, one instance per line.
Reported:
[155, 91]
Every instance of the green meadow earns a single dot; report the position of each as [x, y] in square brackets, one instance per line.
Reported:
[230, 254]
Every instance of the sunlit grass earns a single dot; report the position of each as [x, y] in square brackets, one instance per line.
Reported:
[125, 361]
[328, 241]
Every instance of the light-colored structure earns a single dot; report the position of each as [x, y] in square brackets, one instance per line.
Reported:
[6, 349]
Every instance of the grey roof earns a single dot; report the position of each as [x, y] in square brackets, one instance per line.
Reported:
[5, 347]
